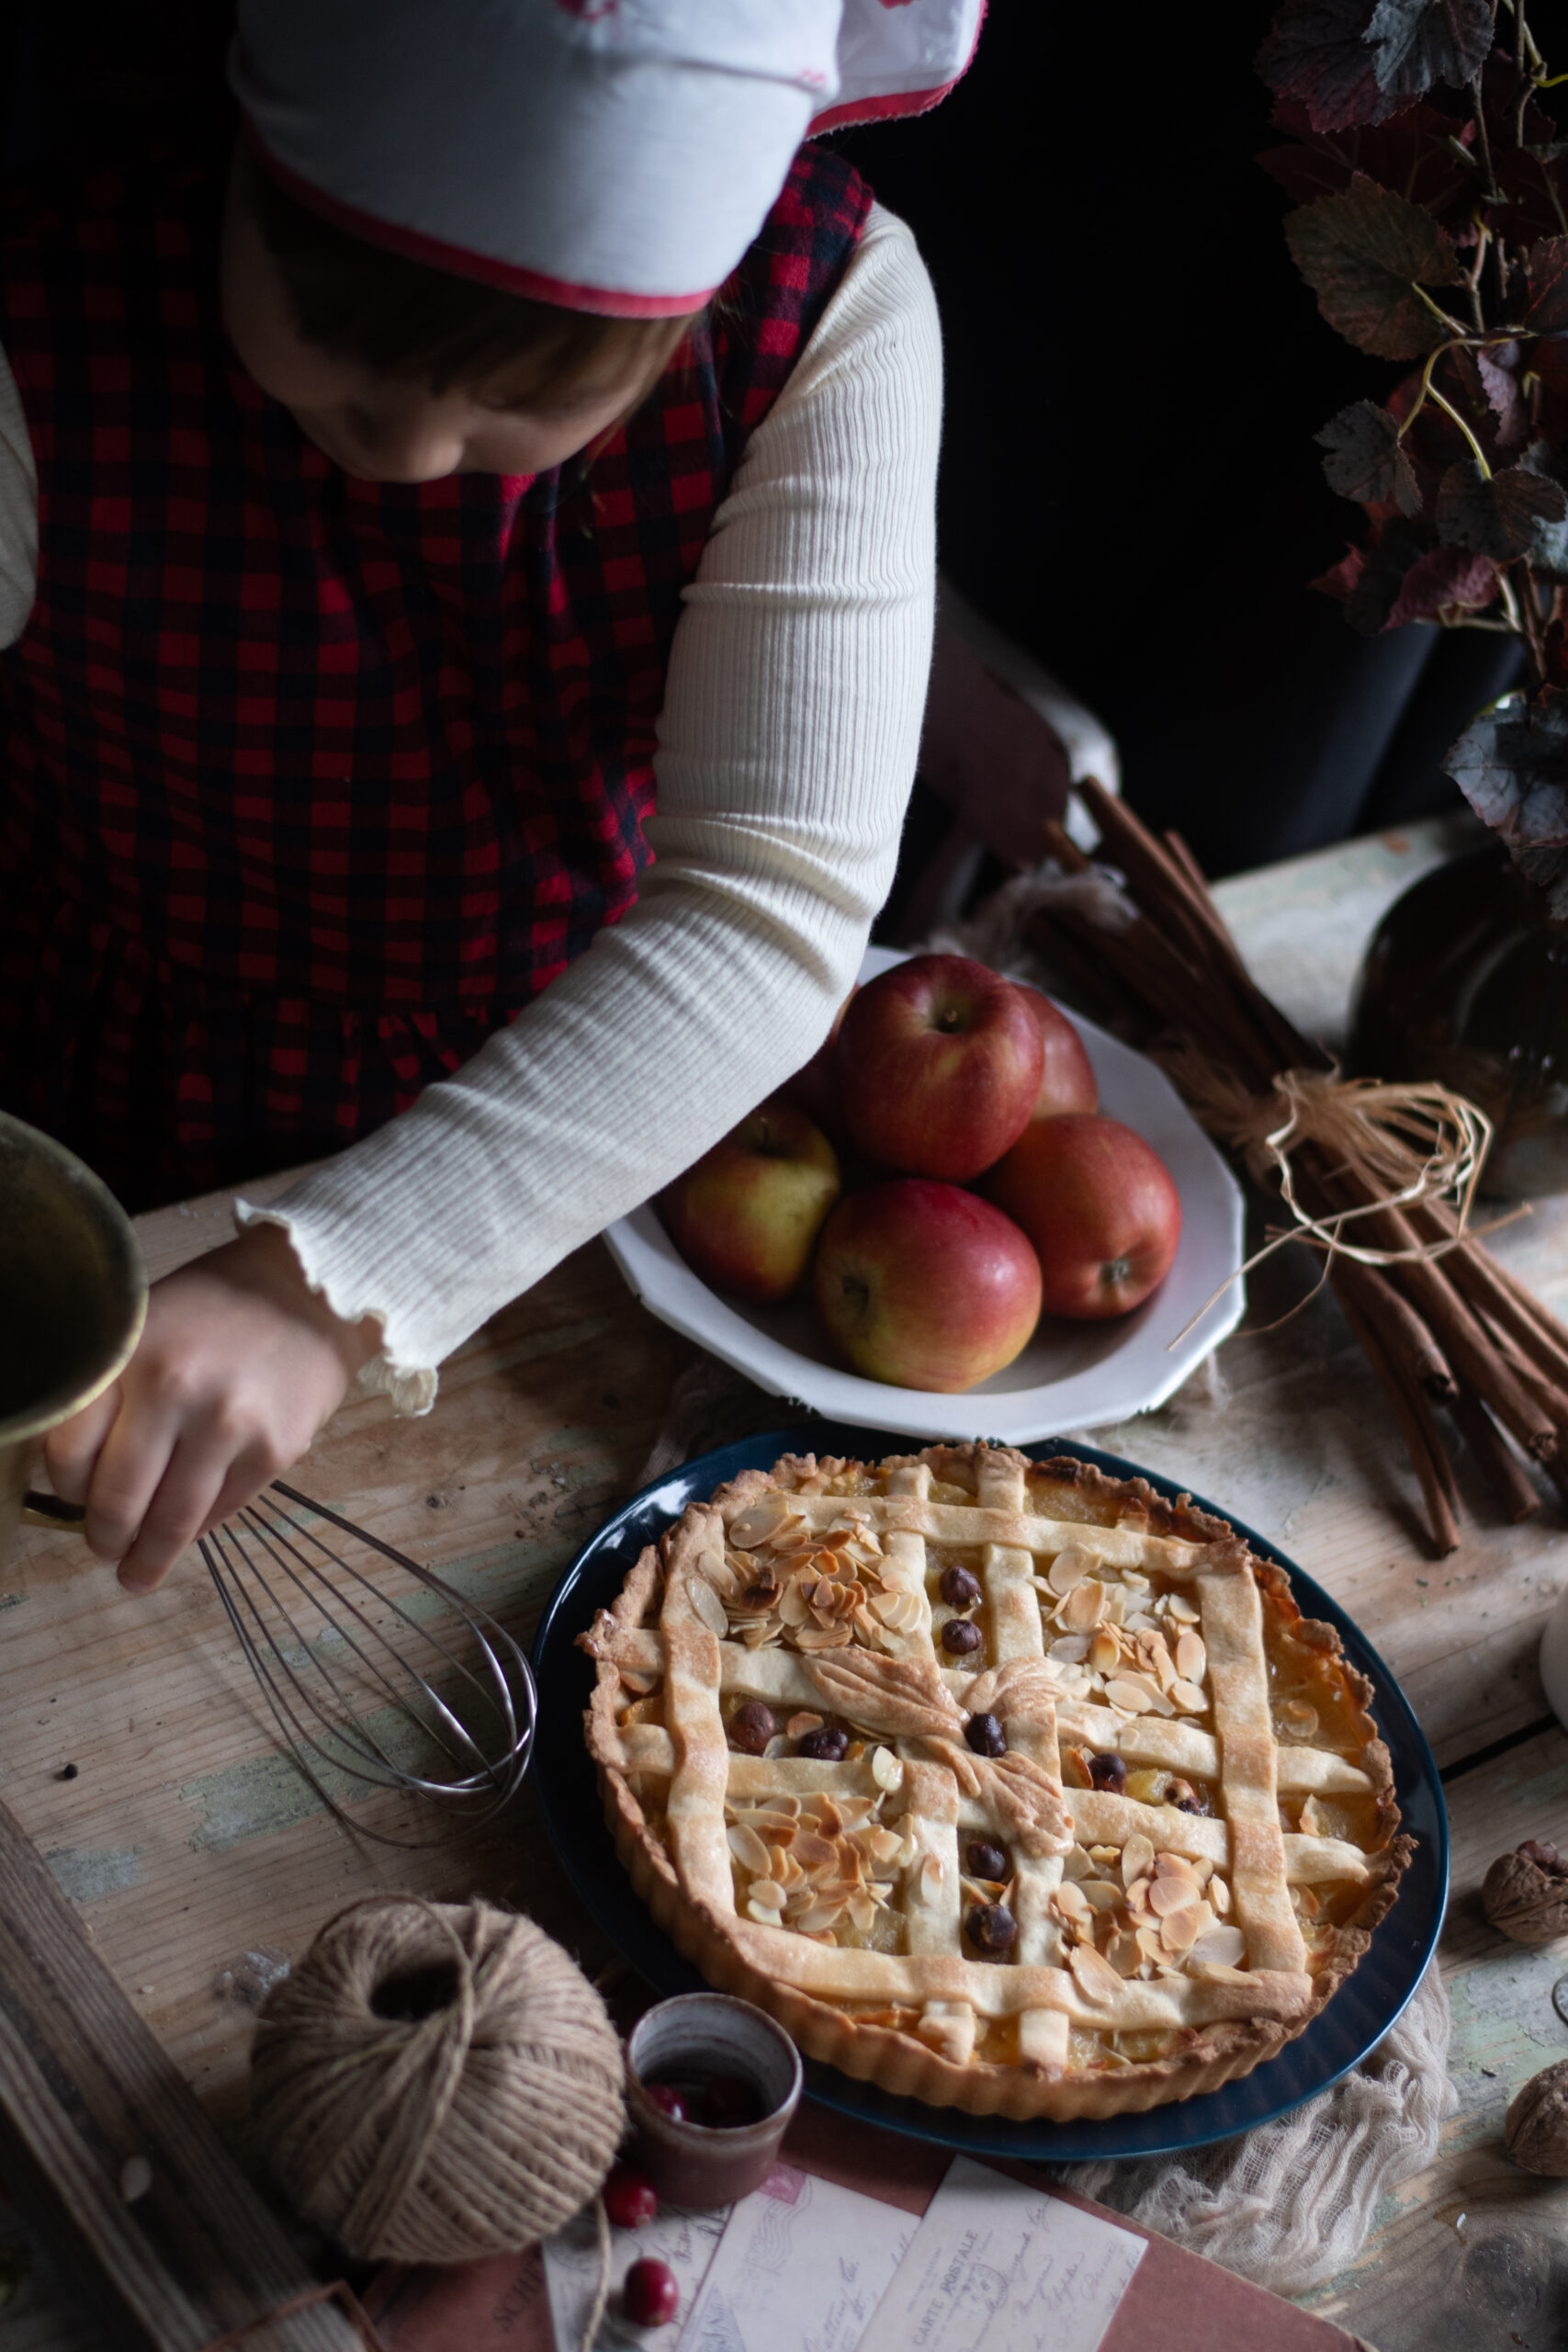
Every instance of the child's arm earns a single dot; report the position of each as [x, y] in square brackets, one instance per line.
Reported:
[787, 746]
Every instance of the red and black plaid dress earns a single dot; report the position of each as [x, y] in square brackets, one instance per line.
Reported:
[310, 783]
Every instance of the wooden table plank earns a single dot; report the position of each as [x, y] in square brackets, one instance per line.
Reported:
[201, 1864]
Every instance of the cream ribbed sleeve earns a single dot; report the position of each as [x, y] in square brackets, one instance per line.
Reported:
[788, 745]
[787, 750]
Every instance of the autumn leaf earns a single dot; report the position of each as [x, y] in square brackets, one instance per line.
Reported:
[1411, 154]
[1417, 42]
[1511, 764]
[1443, 579]
[1317, 54]
[1363, 254]
[1365, 461]
[1498, 514]
[1501, 387]
[1368, 580]
[1546, 273]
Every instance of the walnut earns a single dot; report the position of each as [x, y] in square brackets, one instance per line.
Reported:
[1535, 2131]
[1525, 1894]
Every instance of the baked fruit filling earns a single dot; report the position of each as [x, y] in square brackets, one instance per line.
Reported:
[1004, 1783]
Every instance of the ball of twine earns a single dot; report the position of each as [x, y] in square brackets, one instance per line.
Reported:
[436, 2081]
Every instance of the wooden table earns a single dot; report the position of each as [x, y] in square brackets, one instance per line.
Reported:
[201, 1862]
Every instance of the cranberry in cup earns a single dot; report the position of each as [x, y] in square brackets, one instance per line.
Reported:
[736, 2077]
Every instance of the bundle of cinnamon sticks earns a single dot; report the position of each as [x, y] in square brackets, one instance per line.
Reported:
[1452, 1338]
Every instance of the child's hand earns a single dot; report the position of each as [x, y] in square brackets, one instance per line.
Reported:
[238, 1368]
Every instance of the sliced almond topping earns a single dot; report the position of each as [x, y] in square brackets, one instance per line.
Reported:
[635, 1679]
[886, 1769]
[1101, 1893]
[760, 1521]
[1068, 1568]
[1071, 1650]
[1221, 1948]
[1299, 1718]
[1149, 1943]
[824, 1637]
[1084, 1606]
[1106, 1858]
[818, 1918]
[1188, 1697]
[884, 1845]
[931, 1875]
[1178, 1605]
[799, 1726]
[1169, 1895]
[749, 1849]
[707, 1606]
[1124, 1954]
[1132, 1698]
[1097, 1980]
[862, 1911]
[1312, 1823]
[1076, 1863]
[1180, 1928]
[792, 1605]
[1138, 1858]
[767, 1893]
[1070, 1900]
[1104, 1651]
[886, 1606]
[1191, 1657]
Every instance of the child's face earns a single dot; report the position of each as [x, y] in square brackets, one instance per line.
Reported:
[379, 427]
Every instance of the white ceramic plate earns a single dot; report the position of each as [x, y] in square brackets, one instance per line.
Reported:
[1071, 1376]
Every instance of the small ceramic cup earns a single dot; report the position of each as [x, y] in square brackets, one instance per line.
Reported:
[686, 2039]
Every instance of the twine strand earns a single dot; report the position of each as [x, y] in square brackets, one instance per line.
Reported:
[1411, 1144]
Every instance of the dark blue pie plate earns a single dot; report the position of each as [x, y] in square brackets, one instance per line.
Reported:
[1354, 2022]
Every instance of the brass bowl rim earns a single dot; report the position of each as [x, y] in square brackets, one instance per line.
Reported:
[37, 1420]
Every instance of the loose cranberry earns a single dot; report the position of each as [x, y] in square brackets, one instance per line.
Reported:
[960, 1636]
[986, 1861]
[986, 1736]
[751, 1727]
[650, 2297]
[825, 1746]
[630, 2198]
[729, 2103]
[992, 1927]
[665, 2097]
[1107, 1772]
[959, 1588]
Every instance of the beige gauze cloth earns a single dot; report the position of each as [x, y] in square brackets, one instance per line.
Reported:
[1288, 2205]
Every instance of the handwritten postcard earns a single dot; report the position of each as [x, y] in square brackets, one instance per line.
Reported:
[801, 2268]
[685, 2241]
[997, 2265]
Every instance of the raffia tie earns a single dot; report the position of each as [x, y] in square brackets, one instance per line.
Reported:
[1409, 1144]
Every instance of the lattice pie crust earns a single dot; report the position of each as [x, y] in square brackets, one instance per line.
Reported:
[1113, 1845]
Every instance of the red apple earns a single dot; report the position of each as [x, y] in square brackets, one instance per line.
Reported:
[939, 1063]
[1067, 1082]
[924, 1285]
[1101, 1207]
[814, 1089]
[746, 1216]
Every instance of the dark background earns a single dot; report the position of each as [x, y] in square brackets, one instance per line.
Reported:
[1135, 373]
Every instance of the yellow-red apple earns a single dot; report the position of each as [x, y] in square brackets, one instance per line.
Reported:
[814, 1089]
[746, 1216]
[1101, 1207]
[1067, 1080]
[925, 1285]
[940, 1062]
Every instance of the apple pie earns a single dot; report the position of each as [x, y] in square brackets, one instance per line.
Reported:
[1004, 1784]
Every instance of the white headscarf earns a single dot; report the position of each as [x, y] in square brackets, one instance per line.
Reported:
[609, 156]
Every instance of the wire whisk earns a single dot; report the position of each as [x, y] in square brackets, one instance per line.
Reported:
[333, 1651]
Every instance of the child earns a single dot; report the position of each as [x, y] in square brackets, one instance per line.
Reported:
[459, 723]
